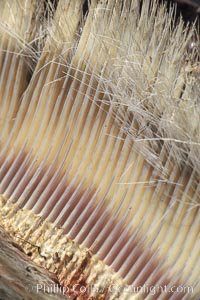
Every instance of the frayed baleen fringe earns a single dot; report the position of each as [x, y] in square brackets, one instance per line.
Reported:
[99, 145]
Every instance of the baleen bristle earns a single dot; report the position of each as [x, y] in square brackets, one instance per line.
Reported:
[100, 136]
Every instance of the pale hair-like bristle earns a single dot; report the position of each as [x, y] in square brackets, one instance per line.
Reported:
[100, 136]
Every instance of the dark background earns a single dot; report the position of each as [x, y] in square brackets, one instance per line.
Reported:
[189, 9]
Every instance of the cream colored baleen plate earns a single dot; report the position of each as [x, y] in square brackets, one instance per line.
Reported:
[99, 136]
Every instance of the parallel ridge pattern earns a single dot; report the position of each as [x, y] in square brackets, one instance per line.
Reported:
[70, 137]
